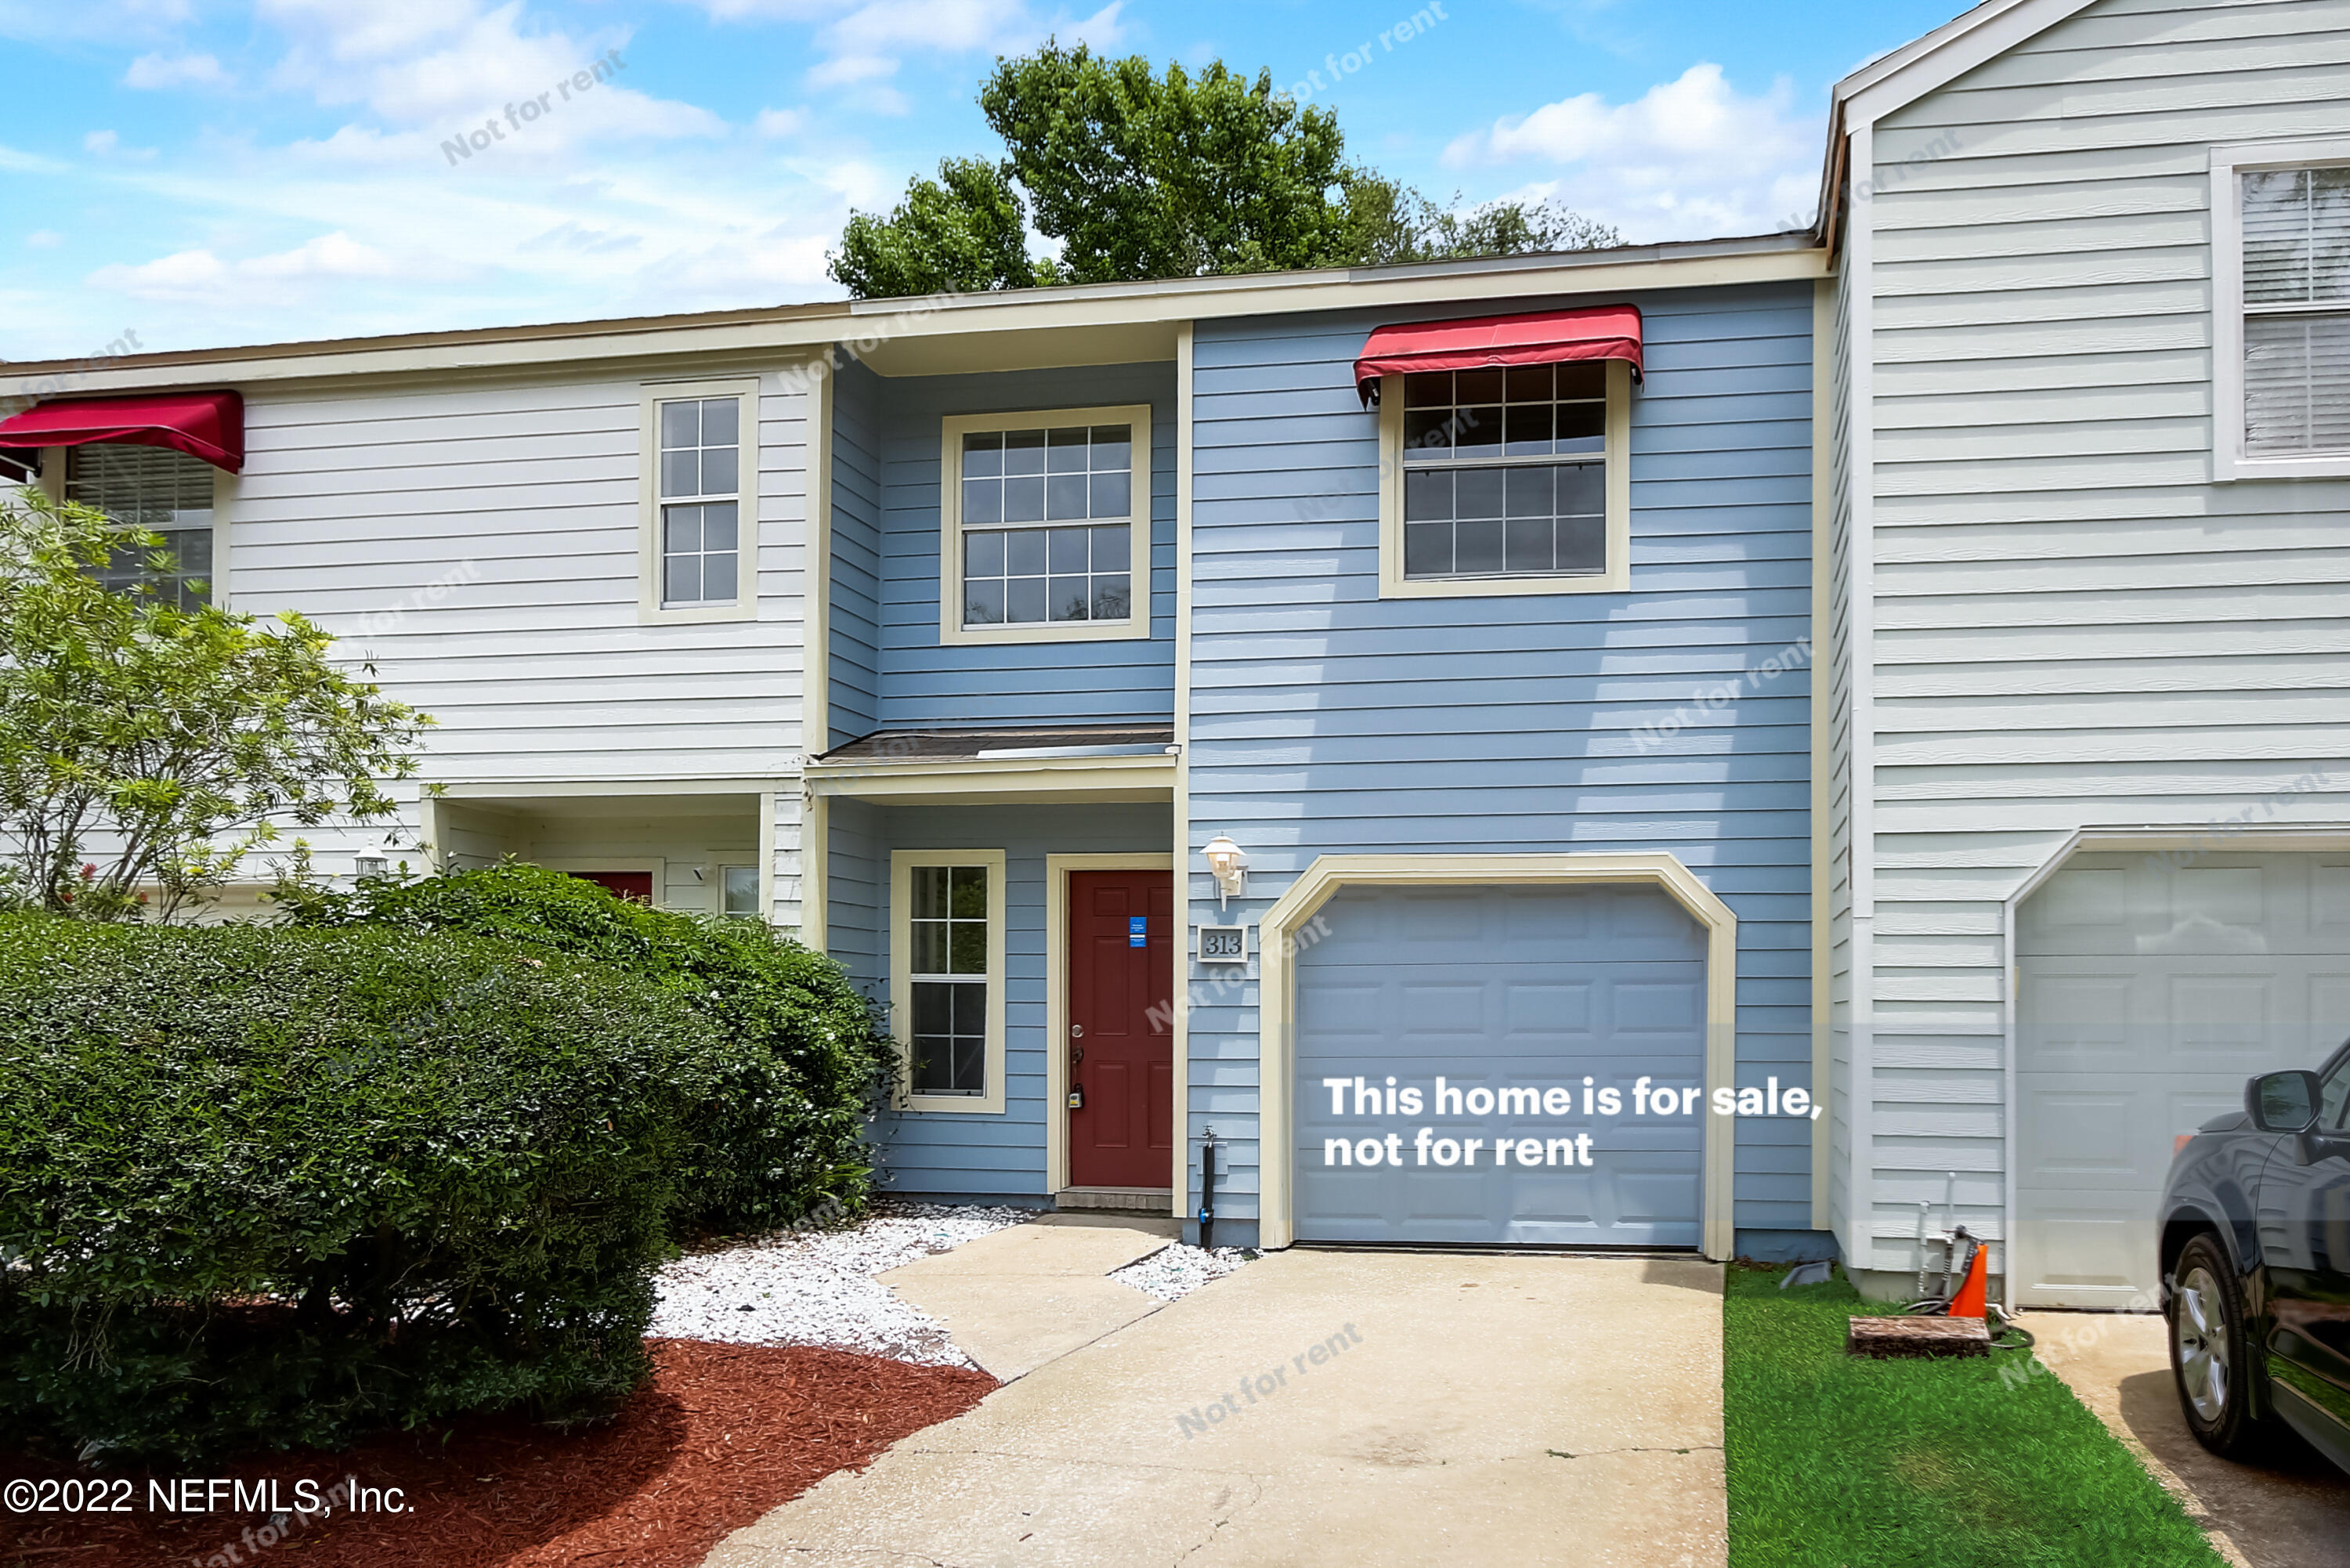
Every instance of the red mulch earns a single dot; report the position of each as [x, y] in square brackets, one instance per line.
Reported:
[722, 1434]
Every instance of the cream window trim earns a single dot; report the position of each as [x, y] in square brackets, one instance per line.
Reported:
[2228, 462]
[649, 608]
[902, 862]
[1617, 579]
[1276, 989]
[953, 428]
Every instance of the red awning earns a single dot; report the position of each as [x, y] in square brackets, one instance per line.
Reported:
[209, 425]
[1542, 338]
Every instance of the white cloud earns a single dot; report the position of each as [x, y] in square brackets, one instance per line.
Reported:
[358, 31]
[1690, 158]
[200, 276]
[952, 26]
[445, 64]
[851, 70]
[45, 239]
[868, 44]
[1104, 29]
[109, 21]
[611, 201]
[108, 144]
[157, 71]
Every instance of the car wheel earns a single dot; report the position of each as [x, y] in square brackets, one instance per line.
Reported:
[2211, 1356]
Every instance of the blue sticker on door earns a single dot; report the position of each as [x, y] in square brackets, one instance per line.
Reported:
[1138, 930]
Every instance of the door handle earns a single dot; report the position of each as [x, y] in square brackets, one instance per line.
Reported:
[1076, 1054]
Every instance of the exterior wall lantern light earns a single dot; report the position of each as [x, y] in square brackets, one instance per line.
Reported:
[1229, 865]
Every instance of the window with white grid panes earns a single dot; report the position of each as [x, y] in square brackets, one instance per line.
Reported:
[1047, 525]
[1505, 471]
[948, 970]
[700, 489]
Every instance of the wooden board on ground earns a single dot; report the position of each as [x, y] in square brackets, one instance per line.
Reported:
[1893, 1336]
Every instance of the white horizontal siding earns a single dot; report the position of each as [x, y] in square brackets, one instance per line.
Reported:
[2074, 625]
[478, 544]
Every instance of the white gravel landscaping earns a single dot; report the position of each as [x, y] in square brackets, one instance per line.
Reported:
[1175, 1271]
[817, 1287]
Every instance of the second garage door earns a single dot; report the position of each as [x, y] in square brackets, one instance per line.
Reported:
[1498, 989]
[2150, 990]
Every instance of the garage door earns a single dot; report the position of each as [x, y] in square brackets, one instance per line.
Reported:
[1499, 989]
[2149, 991]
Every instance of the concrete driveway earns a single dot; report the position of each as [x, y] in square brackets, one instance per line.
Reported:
[1338, 1408]
[2292, 1513]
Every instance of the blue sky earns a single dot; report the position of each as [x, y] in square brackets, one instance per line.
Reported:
[201, 174]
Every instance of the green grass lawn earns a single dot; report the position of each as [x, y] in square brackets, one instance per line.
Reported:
[1840, 1462]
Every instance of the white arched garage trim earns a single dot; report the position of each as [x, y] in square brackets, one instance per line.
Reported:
[1276, 939]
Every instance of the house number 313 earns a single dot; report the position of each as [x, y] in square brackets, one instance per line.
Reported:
[1224, 944]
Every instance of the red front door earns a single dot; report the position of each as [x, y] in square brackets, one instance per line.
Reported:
[1121, 1028]
[636, 885]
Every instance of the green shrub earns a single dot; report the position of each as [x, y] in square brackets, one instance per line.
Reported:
[266, 1189]
[809, 1061]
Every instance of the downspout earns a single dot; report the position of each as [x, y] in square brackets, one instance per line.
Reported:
[1208, 1189]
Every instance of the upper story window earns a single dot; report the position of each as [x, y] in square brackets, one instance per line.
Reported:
[1046, 526]
[701, 500]
[1485, 491]
[2282, 295]
[2296, 311]
[165, 492]
[1505, 481]
[701, 523]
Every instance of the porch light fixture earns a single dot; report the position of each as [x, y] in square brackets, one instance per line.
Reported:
[369, 866]
[1228, 864]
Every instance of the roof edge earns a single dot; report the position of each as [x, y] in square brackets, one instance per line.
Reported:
[1194, 296]
[1900, 77]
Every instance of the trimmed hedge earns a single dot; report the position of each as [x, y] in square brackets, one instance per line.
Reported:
[269, 1189]
[809, 1060]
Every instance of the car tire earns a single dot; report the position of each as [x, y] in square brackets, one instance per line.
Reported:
[2213, 1360]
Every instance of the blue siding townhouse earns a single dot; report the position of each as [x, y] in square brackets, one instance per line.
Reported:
[1350, 729]
[1358, 733]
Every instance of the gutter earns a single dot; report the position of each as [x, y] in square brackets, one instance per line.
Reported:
[815, 327]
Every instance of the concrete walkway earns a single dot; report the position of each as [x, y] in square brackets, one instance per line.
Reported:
[2293, 1513]
[1019, 1298]
[1338, 1408]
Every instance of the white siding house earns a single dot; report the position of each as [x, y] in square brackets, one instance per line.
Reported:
[497, 545]
[2091, 836]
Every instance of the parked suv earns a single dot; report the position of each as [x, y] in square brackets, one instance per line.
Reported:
[2255, 1226]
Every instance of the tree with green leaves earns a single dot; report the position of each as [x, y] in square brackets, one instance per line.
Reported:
[147, 749]
[1138, 175]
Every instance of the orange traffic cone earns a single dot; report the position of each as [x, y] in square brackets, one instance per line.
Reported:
[1973, 1295]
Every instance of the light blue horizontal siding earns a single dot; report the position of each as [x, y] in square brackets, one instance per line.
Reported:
[857, 868]
[853, 673]
[975, 1155]
[1326, 720]
[923, 683]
